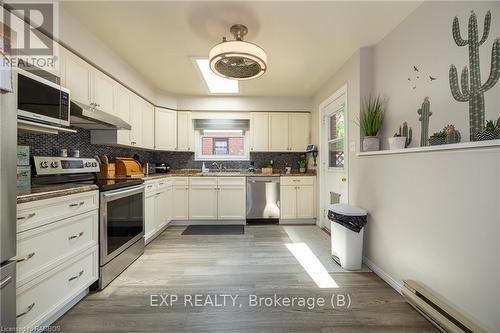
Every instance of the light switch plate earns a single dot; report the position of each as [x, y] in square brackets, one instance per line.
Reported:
[352, 146]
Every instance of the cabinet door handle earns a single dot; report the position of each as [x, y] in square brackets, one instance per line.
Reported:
[80, 234]
[76, 276]
[30, 307]
[28, 257]
[77, 204]
[30, 215]
[5, 281]
[133, 142]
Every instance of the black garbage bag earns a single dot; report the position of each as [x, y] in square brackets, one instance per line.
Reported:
[353, 223]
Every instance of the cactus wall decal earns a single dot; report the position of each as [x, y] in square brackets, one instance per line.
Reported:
[472, 88]
[406, 132]
[425, 113]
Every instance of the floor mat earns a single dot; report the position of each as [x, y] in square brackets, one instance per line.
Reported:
[214, 230]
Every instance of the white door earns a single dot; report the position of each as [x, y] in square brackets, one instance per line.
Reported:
[278, 131]
[165, 129]
[288, 200]
[333, 157]
[231, 203]
[136, 120]
[102, 91]
[305, 202]
[122, 110]
[203, 202]
[180, 203]
[259, 125]
[299, 131]
[148, 125]
[184, 131]
[77, 78]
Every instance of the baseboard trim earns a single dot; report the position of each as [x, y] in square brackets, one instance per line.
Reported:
[206, 222]
[297, 221]
[52, 319]
[398, 286]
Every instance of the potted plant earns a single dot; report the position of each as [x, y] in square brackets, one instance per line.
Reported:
[402, 139]
[302, 163]
[370, 122]
[490, 132]
[438, 138]
[452, 134]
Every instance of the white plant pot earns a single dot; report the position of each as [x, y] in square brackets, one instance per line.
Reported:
[397, 142]
[371, 143]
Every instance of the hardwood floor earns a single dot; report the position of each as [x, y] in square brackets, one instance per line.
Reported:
[256, 264]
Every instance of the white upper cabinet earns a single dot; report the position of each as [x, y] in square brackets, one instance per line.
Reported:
[121, 98]
[259, 131]
[278, 131]
[148, 125]
[299, 125]
[136, 120]
[184, 131]
[76, 77]
[165, 129]
[102, 91]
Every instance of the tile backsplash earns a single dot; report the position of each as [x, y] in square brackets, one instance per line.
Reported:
[50, 145]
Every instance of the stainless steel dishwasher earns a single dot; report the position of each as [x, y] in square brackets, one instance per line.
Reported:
[263, 199]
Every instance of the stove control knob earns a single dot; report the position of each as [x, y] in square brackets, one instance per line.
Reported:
[94, 164]
[44, 164]
[54, 164]
[88, 164]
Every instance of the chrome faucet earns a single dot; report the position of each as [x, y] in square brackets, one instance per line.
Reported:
[218, 166]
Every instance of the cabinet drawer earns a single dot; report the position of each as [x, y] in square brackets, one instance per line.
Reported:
[292, 181]
[42, 297]
[150, 186]
[180, 181]
[164, 183]
[203, 181]
[231, 181]
[41, 212]
[40, 249]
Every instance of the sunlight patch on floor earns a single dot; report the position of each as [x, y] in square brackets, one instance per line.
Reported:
[311, 265]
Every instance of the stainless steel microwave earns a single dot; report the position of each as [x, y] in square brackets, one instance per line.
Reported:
[41, 100]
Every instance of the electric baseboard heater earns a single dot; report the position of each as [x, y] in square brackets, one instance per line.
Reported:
[443, 316]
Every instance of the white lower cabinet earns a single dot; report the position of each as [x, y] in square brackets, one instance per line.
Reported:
[231, 201]
[297, 198]
[180, 198]
[203, 198]
[158, 207]
[57, 255]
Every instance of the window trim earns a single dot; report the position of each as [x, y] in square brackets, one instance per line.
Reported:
[336, 140]
[198, 150]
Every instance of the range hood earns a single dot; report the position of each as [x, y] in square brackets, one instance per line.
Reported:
[88, 117]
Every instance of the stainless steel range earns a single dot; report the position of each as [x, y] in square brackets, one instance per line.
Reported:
[121, 206]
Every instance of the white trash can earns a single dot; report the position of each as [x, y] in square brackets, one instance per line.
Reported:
[347, 224]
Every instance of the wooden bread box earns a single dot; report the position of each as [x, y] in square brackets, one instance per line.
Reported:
[107, 171]
[127, 167]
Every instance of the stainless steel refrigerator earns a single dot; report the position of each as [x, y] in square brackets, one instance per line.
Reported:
[8, 181]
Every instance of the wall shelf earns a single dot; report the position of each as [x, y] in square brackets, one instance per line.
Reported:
[453, 146]
[29, 126]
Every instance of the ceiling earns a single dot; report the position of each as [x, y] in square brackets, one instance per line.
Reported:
[306, 42]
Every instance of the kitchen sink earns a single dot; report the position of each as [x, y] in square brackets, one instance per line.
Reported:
[220, 174]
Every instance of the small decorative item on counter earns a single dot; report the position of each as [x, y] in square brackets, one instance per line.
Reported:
[268, 168]
[288, 169]
[438, 138]
[204, 169]
[490, 132]
[452, 135]
[370, 122]
[63, 152]
[251, 168]
[302, 163]
[75, 153]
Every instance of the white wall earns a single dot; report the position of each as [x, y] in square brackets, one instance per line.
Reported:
[435, 216]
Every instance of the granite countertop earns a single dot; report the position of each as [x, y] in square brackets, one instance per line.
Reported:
[226, 173]
[40, 192]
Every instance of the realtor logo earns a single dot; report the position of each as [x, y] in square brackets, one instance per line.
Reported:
[32, 26]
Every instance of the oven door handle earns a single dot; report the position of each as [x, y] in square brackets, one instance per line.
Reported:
[123, 193]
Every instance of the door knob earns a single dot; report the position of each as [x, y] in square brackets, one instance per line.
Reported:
[344, 179]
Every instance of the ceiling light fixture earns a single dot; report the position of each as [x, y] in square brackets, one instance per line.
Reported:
[237, 59]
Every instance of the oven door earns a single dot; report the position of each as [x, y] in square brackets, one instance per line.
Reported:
[121, 220]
